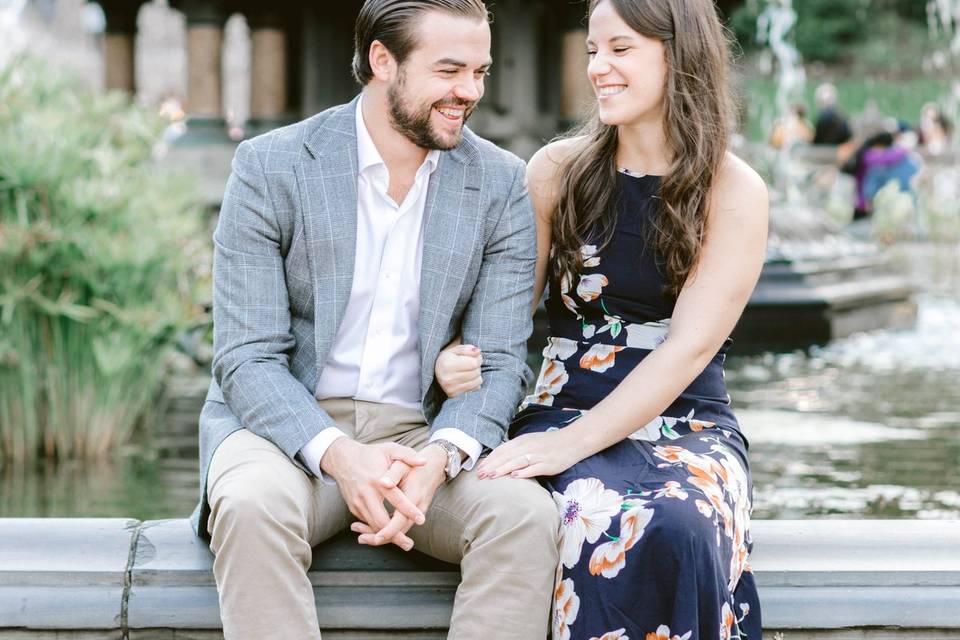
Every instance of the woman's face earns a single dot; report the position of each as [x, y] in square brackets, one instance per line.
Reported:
[627, 70]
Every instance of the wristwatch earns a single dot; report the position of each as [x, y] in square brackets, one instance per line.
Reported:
[454, 457]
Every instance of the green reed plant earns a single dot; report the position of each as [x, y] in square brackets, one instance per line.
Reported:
[101, 257]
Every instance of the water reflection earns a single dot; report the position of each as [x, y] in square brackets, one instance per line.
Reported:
[868, 426]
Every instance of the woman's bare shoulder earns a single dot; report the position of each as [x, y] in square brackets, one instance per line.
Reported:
[739, 189]
[546, 162]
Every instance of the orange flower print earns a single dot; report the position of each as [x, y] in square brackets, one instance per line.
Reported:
[587, 508]
[671, 489]
[591, 285]
[553, 375]
[610, 557]
[566, 606]
[663, 633]
[619, 634]
[700, 425]
[721, 479]
[599, 357]
[726, 621]
[565, 295]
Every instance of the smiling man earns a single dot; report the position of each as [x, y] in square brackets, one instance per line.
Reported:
[350, 249]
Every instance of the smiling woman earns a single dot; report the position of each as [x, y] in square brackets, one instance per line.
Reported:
[651, 236]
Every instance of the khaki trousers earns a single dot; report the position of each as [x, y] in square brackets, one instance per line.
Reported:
[267, 514]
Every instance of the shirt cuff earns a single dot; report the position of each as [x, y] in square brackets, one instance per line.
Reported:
[465, 443]
[313, 451]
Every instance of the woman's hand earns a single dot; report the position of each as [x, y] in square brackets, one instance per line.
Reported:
[458, 369]
[530, 455]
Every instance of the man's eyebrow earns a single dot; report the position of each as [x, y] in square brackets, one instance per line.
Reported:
[460, 64]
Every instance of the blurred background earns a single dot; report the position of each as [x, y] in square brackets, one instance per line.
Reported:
[118, 119]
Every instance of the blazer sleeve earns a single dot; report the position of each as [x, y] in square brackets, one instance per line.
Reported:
[497, 320]
[252, 336]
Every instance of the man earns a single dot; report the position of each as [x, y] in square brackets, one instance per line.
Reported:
[350, 249]
[831, 127]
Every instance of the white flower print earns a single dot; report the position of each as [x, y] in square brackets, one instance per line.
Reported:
[586, 508]
[619, 634]
[649, 432]
[663, 633]
[559, 348]
[610, 557]
[648, 335]
[591, 285]
[566, 606]
[588, 253]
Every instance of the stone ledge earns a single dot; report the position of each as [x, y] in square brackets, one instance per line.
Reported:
[823, 579]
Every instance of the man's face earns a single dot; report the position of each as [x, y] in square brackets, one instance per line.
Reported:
[439, 84]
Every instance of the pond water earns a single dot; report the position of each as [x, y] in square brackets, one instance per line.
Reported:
[868, 426]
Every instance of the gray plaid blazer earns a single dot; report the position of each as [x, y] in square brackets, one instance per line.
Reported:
[284, 251]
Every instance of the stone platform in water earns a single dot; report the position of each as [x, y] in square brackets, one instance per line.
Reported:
[117, 578]
[805, 302]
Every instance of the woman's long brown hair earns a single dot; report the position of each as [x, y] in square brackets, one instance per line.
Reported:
[698, 116]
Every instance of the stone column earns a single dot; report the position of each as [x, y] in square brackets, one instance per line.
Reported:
[576, 93]
[205, 21]
[269, 88]
[118, 44]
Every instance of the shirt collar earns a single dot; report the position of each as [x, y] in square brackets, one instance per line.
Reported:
[367, 154]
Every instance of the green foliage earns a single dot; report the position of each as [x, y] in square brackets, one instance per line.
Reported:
[826, 29]
[96, 248]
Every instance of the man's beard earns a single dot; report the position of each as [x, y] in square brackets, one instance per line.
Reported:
[415, 124]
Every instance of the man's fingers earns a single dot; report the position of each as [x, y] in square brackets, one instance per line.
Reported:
[376, 516]
[407, 455]
[392, 477]
[404, 505]
[401, 541]
[396, 526]
[361, 527]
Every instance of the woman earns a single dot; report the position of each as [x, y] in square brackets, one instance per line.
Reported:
[653, 237]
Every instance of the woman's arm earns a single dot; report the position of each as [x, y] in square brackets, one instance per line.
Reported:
[705, 314]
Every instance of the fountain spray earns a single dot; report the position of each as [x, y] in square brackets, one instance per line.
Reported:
[12, 38]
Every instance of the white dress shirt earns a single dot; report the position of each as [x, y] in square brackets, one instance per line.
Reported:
[375, 356]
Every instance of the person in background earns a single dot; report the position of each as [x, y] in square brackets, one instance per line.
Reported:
[934, 129]
[791, 129]
[831, 127]
[883, 158]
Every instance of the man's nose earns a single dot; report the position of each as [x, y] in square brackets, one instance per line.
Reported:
[468, 91]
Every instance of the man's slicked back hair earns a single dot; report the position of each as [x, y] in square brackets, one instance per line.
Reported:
[393, 23]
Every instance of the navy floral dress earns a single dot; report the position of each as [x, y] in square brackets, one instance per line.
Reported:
[655, 533]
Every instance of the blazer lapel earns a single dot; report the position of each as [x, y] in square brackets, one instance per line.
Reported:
[328, 183]
[452, 222]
